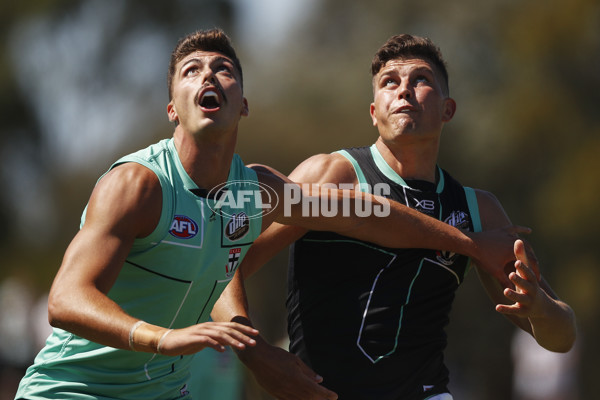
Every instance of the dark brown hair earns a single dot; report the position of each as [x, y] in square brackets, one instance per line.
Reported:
[205, 40]
[408, 46]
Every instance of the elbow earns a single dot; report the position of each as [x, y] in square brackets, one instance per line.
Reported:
[567, 343]
[563, 347]
[53, 313]
[56, 310]
[571, 334]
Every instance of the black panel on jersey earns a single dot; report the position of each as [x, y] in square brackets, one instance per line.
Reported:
[371, 320]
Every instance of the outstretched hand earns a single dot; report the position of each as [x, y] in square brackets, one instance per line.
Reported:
[527, 295]
[284, 375]
[495, 249]
[216, 335]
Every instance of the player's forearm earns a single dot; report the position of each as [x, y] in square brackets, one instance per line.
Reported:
[93, 316]
[554, 328]
[408, 228]
[377, 220]
[232, 304]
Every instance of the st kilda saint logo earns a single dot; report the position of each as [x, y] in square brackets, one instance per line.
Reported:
[233, 261]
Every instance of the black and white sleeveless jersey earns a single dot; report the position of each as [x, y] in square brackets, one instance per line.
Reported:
[369, 319]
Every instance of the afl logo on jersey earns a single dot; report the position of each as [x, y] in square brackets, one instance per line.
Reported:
[237, 227]
[183, 227]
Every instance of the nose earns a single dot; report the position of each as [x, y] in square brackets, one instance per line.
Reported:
[404, 92]
[208, 76]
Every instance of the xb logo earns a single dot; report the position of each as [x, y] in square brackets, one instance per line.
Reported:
[425, 204]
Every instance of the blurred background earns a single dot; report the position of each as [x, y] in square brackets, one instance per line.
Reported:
[84, 82]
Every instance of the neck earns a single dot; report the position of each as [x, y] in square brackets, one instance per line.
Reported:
[410, 161]
[205, 159]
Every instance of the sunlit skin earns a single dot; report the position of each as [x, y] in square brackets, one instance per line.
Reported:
[213, 128]
[409, 109]
[196, 74]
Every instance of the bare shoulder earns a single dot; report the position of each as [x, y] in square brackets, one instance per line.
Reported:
[485, 198]
[132, 180]
[324, 168]
[262, 170]
[320, 168]
[491, 212]
[128, 197]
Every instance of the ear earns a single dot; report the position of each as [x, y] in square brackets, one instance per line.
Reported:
[245, 110]
[171, 112]
[373, 116]
[449, 109]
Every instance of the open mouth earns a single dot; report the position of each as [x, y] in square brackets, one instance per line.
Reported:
[210, 101]
[404, 109]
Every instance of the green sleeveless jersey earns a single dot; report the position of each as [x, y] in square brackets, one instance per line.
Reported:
[171, 278]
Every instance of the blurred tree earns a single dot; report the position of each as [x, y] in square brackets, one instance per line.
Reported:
[80, 86]
[524, 74]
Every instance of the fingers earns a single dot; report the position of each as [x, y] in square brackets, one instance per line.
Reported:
[519, 250]
[524, 252]
[520, 304]
[313, 390]
[307, 371]
[230, 333]
[317, 391]
[524, 276]
[525, 289]
[212, 343]
[321, 391]
[216, 335]
[286, 377]
[514, 309]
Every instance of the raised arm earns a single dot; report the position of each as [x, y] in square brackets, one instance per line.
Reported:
[386, 223]
[125, 205]
[282, 374]
[530, 303]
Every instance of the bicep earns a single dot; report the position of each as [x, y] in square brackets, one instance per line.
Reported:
[491, 212]
[276, 236]
[322, 170]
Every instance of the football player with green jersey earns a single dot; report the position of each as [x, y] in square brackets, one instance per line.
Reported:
[165, 230]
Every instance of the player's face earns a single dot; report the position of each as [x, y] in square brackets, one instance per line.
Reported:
[408, 101]
[207, 93]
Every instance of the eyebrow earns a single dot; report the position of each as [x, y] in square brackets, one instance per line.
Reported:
[200, 60]
[393, 71]
[424, 69]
